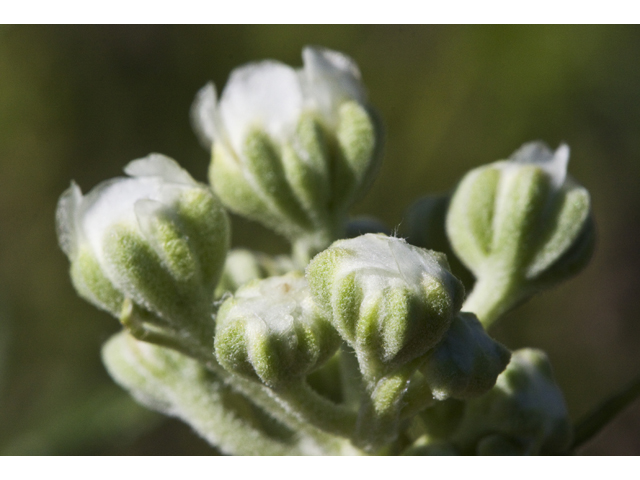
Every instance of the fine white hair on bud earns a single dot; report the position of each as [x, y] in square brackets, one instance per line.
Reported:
[519, 225]
[157, 237]
[389, 300]
[291, 148]
[273, 330]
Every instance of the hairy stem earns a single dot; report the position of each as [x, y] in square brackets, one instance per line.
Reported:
[311, 407]
[489, 300]
[295, 409]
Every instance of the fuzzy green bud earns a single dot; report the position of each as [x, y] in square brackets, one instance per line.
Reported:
[467, 362]
[389, 301]
[272, 331]
[524, 413]
[157, 238]
[519, 225]
[292, 149]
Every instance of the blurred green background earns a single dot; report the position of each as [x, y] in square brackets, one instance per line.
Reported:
[80, 102]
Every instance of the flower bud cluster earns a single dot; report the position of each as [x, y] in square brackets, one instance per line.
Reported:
[245, 344]
[291, 149]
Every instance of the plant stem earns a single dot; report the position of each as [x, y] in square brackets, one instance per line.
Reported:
[592, 423]
[489, 299]
[310, 407]
[379, 414]
[298, 407]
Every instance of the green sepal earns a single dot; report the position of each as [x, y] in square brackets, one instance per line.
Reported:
[467, 362]
[91, 283]
[144, 277]
[359, 138]
[306, 161]
[206, 226]
[235, 189]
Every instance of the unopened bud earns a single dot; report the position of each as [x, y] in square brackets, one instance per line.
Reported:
[389, 301]
[519, 226]
[271, 330]
[526, 408]
[157, 238]
[467, 362]
[292, 149]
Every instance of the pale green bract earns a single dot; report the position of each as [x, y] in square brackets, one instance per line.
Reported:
[357, 341]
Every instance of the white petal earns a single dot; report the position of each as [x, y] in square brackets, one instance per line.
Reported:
[330, 78]
[266, 95]
[204, 117]
[112, 203]
[538, 153]
[161, 166]
[66, 214]
[385, 258]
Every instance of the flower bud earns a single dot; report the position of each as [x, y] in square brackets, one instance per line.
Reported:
[158, 238]
[389, 301]
[525, 409]
[466, 362]
[292, 149]
[272, 331]
[520, 225]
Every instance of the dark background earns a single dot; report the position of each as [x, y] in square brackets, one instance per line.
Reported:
[80, 102]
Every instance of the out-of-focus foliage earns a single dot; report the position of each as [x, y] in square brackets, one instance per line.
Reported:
[81, 102]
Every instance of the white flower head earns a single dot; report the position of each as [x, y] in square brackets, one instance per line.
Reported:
[157, 237]
[154, 182]
[271, 95]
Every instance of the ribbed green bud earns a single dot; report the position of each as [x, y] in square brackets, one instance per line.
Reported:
[467, 362]
[271, 330]
[519, 226]
[525, 412]
[157, 238]
[291, 149]
[243, 265]
[389, 301]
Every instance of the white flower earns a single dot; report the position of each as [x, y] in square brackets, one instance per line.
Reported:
[157, 233]
[271, 96]
[292, 149]
[155, 183]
